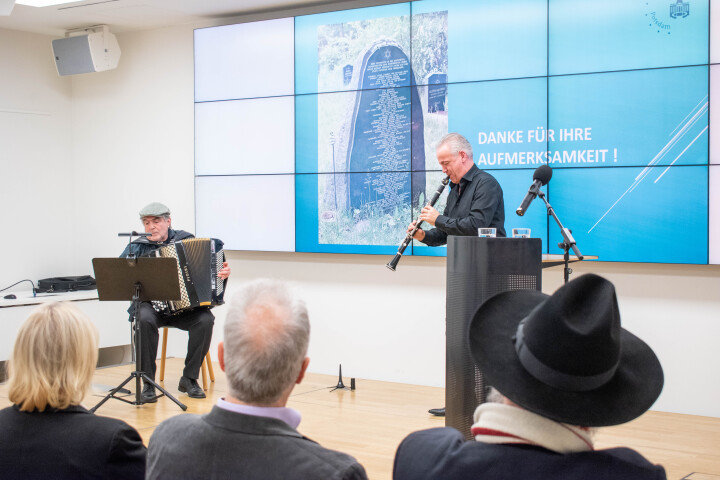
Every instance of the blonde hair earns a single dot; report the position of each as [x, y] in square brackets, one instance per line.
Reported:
[53, 359]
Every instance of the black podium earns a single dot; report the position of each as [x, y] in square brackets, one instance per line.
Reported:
[478, 268]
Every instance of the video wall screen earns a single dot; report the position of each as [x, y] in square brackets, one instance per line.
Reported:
[317, 133]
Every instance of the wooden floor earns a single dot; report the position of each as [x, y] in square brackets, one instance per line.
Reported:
[370, 422]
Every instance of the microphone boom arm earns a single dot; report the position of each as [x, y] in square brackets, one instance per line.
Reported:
[568, 240]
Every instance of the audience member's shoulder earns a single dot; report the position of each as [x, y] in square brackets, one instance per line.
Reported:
[334, 458]
[631, 457]
[121, 432]
[434, 436]
[182, 419]
[329, 463]
[176, 425]
[99, 421]
[430, 445]
[422, 454]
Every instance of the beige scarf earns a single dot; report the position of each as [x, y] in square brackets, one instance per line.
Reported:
[500, 423]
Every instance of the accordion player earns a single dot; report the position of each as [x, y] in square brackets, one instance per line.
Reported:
[199, 261]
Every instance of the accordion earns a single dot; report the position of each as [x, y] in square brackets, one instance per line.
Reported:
[198, 260]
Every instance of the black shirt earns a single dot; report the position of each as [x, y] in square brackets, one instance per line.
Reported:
[479, 205]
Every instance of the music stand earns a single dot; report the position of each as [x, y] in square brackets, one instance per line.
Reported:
[139, 280]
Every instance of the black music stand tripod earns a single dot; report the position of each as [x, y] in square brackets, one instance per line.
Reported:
[140, 280]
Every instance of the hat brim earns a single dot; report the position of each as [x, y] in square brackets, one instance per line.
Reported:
[633, 389]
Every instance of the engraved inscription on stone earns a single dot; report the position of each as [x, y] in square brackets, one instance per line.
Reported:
[381, 133]
[437, 92]
[347, 74]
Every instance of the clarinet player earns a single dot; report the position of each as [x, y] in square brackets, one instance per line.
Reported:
[475, 200]
[198, 322]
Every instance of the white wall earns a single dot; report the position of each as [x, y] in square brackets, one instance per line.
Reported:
[36, 188]
[676, 310]
[133, 139]
[132, 143]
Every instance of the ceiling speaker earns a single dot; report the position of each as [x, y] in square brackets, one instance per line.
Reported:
[92, 52]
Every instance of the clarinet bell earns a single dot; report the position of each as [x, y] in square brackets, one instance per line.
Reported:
[392, 264]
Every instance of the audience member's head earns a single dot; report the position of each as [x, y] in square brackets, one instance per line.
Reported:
[565, 356]
[267, 332]
[53, 360]
[251, 430]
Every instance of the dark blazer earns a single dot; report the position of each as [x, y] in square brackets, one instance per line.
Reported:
[225, 444]
[68, 444]
[443, 453]
[142, 247]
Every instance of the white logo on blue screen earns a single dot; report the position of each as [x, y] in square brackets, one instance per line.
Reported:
[662, 23]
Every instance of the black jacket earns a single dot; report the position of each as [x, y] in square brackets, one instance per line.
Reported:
[142, 247]
[443, 453]
[68, 444]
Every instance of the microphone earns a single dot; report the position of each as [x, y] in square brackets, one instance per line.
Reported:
[541, 177]
[135, 234]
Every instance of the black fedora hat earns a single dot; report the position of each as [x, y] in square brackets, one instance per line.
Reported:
[566, 356]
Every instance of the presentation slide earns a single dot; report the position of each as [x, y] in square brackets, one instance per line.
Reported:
[714, 34]
[715, 114]
[614, 96]
[586, 36]
[715, 214]
[240, 137]
[231, 62]
[639, 215]
[714, 202]
[247, 212]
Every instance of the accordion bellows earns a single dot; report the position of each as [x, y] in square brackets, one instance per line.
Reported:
[199, 260]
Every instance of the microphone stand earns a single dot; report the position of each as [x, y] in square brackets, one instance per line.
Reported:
[340, 385]
[568, 240]
[132, 261]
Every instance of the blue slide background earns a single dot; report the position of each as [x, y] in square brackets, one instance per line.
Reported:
[613, 95]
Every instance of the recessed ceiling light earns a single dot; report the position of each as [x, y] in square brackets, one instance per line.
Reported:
[43, 3]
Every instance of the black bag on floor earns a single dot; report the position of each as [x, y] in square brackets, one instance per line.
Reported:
[66, 284]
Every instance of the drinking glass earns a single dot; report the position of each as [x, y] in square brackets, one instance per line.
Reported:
[521, 233]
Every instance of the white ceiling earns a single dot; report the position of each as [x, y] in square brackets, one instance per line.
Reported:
[128, 15]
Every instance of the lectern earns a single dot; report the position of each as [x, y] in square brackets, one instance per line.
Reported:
[477, 269]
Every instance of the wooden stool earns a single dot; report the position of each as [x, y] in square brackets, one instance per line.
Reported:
[206, 365]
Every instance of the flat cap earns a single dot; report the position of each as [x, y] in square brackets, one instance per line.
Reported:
[154, 209]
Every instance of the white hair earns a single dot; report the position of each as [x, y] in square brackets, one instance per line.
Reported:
[456, 143]
[267, 332]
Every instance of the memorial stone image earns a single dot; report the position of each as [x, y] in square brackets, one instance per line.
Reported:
[386, 132]
[437, 92]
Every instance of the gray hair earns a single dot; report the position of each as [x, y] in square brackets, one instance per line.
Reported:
[493, 396]
[267, 332]
[456, 143]
[166, 216]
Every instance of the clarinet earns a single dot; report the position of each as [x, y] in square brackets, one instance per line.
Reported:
[408, 238]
